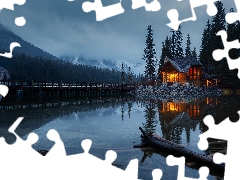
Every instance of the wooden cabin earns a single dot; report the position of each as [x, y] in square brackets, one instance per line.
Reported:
[184, 71]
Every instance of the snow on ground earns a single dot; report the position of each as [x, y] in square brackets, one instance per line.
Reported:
[179, 92]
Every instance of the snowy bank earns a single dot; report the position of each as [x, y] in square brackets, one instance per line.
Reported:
[177, 92]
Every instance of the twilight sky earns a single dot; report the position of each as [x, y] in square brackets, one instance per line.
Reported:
[63, 28]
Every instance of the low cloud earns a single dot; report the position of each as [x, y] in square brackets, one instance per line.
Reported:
[62, 28]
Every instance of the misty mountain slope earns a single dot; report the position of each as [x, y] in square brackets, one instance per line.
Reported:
[7, 37]
[36, 57]
[135, 67]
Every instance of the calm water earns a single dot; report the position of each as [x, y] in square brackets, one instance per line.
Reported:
[113, 123]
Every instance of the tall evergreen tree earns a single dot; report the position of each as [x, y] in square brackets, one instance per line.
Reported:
[217, 68]
[173, 44]
[129, 74]
[163, 55]
[149, 55]
[205, 51]
[188, 52]
[233, 33]
[194, 53]
[166, 52]
[211, 42]
[167, 48]
[179, 48]
[161, 61]
[122, 73]
[230, 78]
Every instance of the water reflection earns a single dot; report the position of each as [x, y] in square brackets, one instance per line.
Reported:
[112, 123]
[180, 120]
[180, 116]
[38, 113]
[176, 116]
[150, 116]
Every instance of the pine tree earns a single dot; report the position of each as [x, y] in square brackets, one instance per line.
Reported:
[129, 74]
[205, 52]
[161, 61]
[194, 53]
[188, 52]
[172, 41]
[167, 48]
[166, 52]
[163, 55]
[211, 42]
[149, 55]
[122, 73]
[233, 33]
[179, 48]
[217, 68]
[230, 78]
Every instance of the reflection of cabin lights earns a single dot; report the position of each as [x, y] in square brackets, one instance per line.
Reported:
[173, 107]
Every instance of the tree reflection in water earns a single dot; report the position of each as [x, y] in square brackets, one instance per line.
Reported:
[150, 115]
[181, 119]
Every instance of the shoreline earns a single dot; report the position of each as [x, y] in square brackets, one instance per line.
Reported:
[178, 92]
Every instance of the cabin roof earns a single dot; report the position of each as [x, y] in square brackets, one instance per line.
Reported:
[183, 64]
[183, 120]
[206, 75]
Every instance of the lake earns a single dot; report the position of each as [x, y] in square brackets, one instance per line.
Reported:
[112, 123]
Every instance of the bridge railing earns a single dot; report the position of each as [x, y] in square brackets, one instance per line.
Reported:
[51, 84]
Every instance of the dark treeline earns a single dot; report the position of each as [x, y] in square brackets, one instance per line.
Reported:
[211, 42]
[25, 68]
[173, 48]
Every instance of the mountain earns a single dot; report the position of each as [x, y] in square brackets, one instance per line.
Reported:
[7, 37]
[135, 67]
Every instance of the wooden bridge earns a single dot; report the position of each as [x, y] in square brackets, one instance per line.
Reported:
[60, 89]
